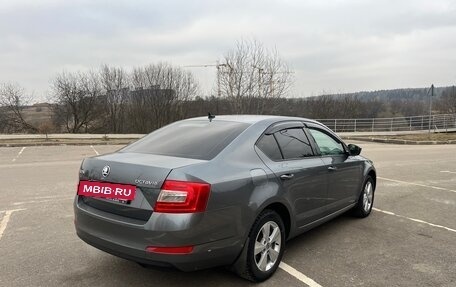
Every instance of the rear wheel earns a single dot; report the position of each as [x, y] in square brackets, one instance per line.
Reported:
[366, 199]
[264, 249]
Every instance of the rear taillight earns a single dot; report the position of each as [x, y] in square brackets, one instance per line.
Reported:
[182, 197]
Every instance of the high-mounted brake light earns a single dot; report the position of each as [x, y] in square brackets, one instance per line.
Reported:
[182, 197]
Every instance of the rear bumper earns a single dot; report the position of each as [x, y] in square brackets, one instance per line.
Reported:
[212, 246]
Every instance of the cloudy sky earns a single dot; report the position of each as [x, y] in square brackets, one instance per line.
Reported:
[333, 46]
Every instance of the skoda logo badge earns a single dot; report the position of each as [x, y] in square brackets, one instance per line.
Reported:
[105, 171]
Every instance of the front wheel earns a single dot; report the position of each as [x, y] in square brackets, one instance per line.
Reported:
[264, 249]
[366, 199]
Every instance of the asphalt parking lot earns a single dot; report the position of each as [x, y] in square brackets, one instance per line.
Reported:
[409, 239]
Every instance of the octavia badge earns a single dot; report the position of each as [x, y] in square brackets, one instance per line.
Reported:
[105, 171]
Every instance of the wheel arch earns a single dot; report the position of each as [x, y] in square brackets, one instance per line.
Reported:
[373, 174]
[283, 212]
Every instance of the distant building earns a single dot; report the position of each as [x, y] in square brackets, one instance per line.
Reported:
[153, 93]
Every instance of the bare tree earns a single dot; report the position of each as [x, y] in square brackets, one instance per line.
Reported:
[250, 76]
[76, 96]
[12, 101]
[160, 92]
[447, 101]
[46, 127]
[322, 107]
[115, 83]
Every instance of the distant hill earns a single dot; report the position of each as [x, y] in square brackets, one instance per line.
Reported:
[37, 113]
[418, 94]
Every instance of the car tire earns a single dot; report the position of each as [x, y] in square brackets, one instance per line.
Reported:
[366, 199]
[264, 248]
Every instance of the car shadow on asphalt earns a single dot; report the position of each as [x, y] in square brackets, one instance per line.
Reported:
[102, 269]
[112, 271]
[324, 232]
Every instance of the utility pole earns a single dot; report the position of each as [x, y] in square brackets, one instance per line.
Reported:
[219, 90]
[430, 107]
[260, 71]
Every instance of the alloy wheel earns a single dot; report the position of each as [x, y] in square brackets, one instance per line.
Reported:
[267, 246]
[368, 195]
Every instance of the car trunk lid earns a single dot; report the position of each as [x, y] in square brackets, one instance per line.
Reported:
[145, 171]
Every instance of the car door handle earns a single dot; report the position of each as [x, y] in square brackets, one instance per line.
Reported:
[287, 176]
[332, 168]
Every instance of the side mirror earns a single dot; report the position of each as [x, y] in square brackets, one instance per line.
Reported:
[354, 149]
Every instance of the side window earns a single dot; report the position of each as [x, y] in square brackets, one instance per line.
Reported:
[268, 145]
[293, 143]
[327, 145]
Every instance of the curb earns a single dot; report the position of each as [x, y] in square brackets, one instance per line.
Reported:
[125, 141]
[27, 144]
[399, 141]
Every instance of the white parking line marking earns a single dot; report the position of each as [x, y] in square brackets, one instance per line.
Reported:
[19, 153]
[6, 219]
[417, 184]
[447, 171]
[50, 197]
[414, 219]
[94, 150]
[41, 164]
[298, 275]
[42, 201]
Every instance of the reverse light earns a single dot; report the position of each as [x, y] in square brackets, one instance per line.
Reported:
[182, 197]
[170, 250]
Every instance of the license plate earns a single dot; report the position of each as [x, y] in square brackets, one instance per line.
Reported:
[117, 191]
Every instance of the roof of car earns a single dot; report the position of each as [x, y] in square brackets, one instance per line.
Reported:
[251, 119]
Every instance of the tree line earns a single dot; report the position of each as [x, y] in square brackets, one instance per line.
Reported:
[84, 107]
[112, 100]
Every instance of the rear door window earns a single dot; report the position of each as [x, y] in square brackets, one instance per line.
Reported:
[293, 143]
[268, 145]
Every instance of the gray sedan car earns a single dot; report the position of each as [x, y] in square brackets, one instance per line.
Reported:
[229, 190]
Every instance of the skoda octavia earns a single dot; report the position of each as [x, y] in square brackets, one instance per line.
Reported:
[229, 190]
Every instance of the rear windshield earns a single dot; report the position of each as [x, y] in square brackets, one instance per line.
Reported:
[190, 139]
